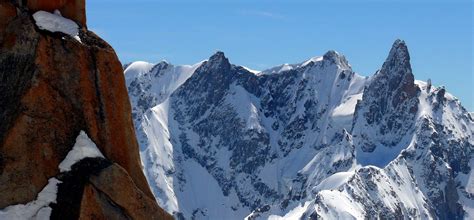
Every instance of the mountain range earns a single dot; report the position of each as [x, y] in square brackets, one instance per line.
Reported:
[312, 140]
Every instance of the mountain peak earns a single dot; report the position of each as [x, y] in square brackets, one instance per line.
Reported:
[160, 66]
[336, 58]
[218, 61]
[162, 63]
[331, 54]
[398, 55]
[389, 102]
[218, 55]
[399, 42]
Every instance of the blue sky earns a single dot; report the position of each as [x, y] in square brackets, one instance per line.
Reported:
[261, 34]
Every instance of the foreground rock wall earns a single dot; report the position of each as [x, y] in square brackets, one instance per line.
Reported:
[52, 87]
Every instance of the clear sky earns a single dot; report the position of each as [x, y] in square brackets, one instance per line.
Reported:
[262, 33]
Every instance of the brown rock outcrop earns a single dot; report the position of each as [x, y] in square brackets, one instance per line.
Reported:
[114, 182]
[52, 87]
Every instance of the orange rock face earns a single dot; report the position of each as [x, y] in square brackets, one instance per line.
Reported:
[72, 9]
[51, 88]
[114, 183]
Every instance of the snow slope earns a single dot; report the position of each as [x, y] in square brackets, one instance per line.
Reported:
[150, 84]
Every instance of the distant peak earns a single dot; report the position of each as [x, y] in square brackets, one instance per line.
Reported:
[399, 42]
[218, 60]
[219, 55]
[160, 66]
[331, 55]
[394, 80]
[399, 53]
[162, 63]
[336, 58]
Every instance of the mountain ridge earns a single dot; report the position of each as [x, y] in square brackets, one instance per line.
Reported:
[285, 142]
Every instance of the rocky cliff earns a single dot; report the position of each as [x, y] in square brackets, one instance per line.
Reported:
[53, 85]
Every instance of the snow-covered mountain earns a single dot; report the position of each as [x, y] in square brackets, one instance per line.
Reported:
[149, 85]
[307, 140]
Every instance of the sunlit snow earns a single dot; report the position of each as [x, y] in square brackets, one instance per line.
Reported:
[84, 148]
[56, 23]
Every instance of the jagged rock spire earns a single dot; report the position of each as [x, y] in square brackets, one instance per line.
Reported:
[397, 63]
[399, 53]
[390, 97]
[395, 80]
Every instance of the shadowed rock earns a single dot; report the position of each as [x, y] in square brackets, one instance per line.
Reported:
[389, 102]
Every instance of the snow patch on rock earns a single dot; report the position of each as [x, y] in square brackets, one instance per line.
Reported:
[56, 23]
[84, 148]
[38, 209]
